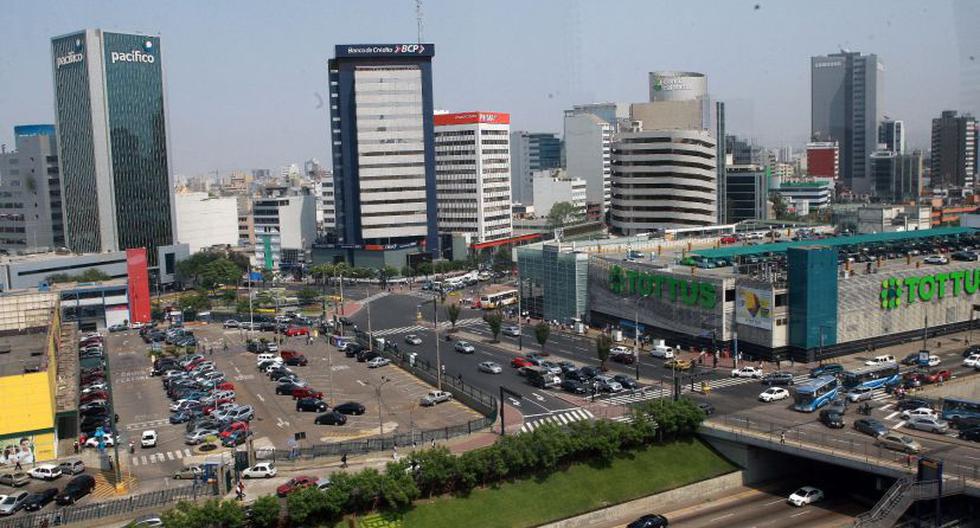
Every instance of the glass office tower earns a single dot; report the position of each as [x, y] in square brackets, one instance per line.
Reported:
[112, 135]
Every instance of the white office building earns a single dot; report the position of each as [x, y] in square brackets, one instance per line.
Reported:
[553, 186]
[473, 174]
[588, 156]
[203, 221]
[285, 229]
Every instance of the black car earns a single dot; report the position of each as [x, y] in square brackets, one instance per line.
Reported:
[366, 355]
[972, 435]
[830, 369]
[626, 358]
[576, 375]
[331, 418]
[834, 420]
[964, 422]
[204, 423]
[838, 406]
[350, 408]
[777, 378]
[76, 488]
[911, 359]
[649, 521]
[870, 426]
[297, 361]
[257, 347]
[287, 388]
[567, 366]
[706, 408]
[352, 350]
[906, 404]
[970, 350]
[589, 372]
[281, 373]
[626, 381]
[311, 405]
[38, 500]
[574, 386]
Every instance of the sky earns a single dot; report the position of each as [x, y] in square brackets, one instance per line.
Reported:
[246, 79]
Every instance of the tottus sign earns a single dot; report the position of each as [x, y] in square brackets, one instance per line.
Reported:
[635, 282]
[924, 288]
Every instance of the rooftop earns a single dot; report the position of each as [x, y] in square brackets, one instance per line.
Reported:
[23, 352]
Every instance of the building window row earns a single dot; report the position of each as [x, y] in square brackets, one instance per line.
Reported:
[393, 153]
[662, 163]
[392, 213]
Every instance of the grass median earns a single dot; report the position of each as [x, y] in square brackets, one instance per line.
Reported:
[578, 489]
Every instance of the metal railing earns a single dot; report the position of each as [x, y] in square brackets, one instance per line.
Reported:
[60, 516]
[903, 494]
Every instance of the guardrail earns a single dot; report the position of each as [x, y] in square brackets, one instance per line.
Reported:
[106, 509]
[901, 495]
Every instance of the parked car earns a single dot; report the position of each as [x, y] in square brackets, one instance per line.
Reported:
[607, 384]
[805, 495]
[972, 435]
[12, 503]
[45, 472]
[574, 386]
[831, 419]
[293, 331]
[928, 423]
[627, 382]
[286, 388]
[464, 347]
[72, 467]
[236, 438]
[295, 484]
[936, 259]
[38, 500]
[76, 488]
[626, 358]
[706, 408]
[490, 367]
[231, 323]
[520, 362]
[649, 521]
[435, 397]
[378, 362]
[413, 339]
[354, 408]
[298, 360]
[747, 372]
[870, 426]
[306, 392]
[260, 470]
[15, 479]
[778, 378]
[773, 393]
[899, 442]
[972, 361]
[331, 418]
[311, 405]
[199, 435]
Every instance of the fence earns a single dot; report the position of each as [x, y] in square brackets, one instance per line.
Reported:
[106, 509]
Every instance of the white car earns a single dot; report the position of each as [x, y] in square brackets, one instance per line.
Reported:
[619, 349]
[934, 361]
[260, 470]
[378, 362]
[805, 495]
[747, 372]
[413, 339]
[490, 367]
[107, 439]
[512, 331]
[45, 472]
[921, 411]
[435, 397]
[774, 393]
[972, 361]
[936, 259]
[148, 438]
[464, 347]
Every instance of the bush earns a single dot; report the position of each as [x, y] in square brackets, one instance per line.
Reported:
[265, 512]
[211, 514]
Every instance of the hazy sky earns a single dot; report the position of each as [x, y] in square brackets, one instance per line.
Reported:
[246, 78]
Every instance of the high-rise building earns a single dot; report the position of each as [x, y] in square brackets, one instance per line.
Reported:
[204, 221]
[110, 106]
[588, 156]
[552, 186]
[954, 156]
[891, 134]
[747, 193]
[616, 114]
[744, 151]
[530, 152]
[823, 159]
[383, 150]
[473, 174]
[285, 228]
[30, 192]
[845, 89]
[682, 99]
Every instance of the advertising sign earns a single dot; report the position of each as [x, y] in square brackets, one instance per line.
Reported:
[468, 118]
[384, 50]
[17, 451]
[635, 282]
[753, 307]
[924, 288]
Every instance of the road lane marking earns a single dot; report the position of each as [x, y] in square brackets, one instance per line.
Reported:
[537, 396]
[178, 454]
[187, 452]
[362, 383]
[774, 502]
[720, 517]
[143, 460]
[804, 512]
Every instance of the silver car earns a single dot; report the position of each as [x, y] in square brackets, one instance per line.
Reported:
[490, 367]
[15, 479]
[607, 384]
[198, 435]
[552, 368]
[899, 442]
[928, 423]
[860, 394]
[13, 503]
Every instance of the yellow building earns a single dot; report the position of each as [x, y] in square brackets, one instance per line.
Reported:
[30, 338]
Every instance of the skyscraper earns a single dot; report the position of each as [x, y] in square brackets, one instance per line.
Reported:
[530, 152]
[473, 174]
[110, 105]
[844, 91]
[30, 191]
[383, 150]
[954, 154]
[891, 134]
[588, 156]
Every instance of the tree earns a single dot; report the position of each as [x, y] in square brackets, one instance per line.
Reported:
[452, 312]
[89, 275]
[265, 512]
[541, 332]
[494, 320]
[217, 272]
[562, 213]
[307, 296]
[407, 271]
[602, 345]
[213, 513]
[306, 506]
[385, 274]
[425, 268]
[779, 206]
[196, 302]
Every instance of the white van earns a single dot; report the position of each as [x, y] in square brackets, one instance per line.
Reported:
[880, 360]
[661, 350]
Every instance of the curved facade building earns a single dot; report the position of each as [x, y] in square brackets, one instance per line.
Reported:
[677, 86]
[663, 179]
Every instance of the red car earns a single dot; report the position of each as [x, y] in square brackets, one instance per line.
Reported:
[232, 428]
[286, 354]
[307, 392]
[937, 376]
[294, 331]
[519, 362]
[225, 386]
[295, 484]
[94, 395]
[728, 240]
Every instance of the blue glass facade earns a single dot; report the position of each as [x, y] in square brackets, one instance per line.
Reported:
[813, 297]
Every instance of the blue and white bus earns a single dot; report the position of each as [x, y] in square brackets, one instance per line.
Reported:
[816, 393]
[955, 410]
[874, 377]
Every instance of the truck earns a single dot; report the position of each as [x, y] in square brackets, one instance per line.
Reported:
[661, 350]
[541, 378]
[434, 397]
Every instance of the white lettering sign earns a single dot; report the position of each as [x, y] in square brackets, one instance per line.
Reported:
[132, 56]
[397, 48]
[71, 58]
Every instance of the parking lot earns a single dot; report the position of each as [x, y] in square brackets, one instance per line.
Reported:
[142, 404]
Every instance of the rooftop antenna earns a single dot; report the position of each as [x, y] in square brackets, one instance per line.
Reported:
[418, 18]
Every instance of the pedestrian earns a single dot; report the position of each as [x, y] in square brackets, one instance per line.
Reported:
[460, 378]
[343, 460]
[394, 453]
[226, 345]
[782, 437]
[74, 446]
[433, 443]
[210, 350]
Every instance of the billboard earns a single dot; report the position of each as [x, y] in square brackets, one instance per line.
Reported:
[753, 307]
[384, 50]
[469, 118]
[139, 286]
[17, 451]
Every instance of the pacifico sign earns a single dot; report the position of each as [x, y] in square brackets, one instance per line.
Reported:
[925, 288]
[689, 292]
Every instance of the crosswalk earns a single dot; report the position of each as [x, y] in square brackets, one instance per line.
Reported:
[561, 418]
[651, 393]
[145, 425]
[374, 297]
[145, 460]
[443, 325]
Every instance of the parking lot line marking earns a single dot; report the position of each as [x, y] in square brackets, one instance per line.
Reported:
[187, 452]
[885, 407]
[170, 455]
[259, 396]
[362, 383]
[178, 454]
[892, 415]
[899, 424]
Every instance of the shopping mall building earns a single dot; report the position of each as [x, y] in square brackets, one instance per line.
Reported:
[804, 299]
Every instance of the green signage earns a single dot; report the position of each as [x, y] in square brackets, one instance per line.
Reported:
[689, 292]
[928, 287]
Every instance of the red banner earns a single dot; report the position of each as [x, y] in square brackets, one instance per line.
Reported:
[139, 286]
[469, 118]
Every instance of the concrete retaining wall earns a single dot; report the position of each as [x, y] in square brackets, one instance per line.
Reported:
[654, 503]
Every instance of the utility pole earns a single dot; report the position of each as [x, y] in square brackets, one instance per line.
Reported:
[435, 333]
[520, 314]
[636, 338]
[381, 383]
[370, 337]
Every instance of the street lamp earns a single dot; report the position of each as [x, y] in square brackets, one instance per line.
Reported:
[377, 389]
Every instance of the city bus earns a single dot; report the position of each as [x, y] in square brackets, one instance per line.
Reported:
[816, 393]
[955, 410]
[497, 299]
[873, 377]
